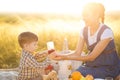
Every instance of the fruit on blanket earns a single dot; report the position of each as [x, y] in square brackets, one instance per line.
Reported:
[89, 77]
[49, 67]
[76, 75]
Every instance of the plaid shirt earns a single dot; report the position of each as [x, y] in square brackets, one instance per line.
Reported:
[29, 67]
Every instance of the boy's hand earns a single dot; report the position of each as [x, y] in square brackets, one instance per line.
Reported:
[41, 56]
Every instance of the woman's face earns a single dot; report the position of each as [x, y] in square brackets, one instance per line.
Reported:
[90, 18]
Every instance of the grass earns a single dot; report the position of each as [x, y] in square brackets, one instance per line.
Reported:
[48, 28]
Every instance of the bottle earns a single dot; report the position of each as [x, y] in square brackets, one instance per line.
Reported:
[64, 70]
[65, 46]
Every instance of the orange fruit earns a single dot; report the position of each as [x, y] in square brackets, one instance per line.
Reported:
[89, 77]
[76, 75]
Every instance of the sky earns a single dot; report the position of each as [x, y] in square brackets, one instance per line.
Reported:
[52, 6]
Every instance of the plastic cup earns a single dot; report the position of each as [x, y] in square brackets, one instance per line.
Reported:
[50, 45]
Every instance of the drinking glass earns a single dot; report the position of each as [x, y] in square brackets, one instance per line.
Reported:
[50, 45]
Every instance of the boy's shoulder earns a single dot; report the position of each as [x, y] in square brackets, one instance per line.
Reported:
[26, 54]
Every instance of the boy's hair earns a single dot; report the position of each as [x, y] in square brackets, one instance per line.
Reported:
[26, 37]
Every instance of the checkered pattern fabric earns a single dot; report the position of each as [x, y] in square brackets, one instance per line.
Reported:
[29, 68]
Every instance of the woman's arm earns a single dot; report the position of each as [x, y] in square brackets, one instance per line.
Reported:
[79, 48]
[99, 48]
[77, 52]
[94, 54]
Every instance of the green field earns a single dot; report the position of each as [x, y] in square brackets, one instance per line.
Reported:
[48, 27]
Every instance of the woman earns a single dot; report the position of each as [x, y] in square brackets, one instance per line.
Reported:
[102, 60]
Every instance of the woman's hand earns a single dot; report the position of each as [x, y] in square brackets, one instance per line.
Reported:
[56, 56]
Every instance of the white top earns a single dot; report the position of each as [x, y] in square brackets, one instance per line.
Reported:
[92, 39]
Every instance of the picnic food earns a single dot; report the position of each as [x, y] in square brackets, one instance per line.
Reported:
[76, 75]
[51, 76]
[89, 77]
[48, 68]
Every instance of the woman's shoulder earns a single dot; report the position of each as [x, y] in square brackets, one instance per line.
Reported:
[104, 26]
[107, 32]
[105, 29]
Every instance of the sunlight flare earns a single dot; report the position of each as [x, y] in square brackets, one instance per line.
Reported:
[72, 7]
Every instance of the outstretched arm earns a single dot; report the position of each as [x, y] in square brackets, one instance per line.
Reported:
[94, 54]
[77, 52]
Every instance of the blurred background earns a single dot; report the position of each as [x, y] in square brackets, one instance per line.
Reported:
[51, 20]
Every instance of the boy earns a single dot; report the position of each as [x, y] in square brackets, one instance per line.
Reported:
[29, 68]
